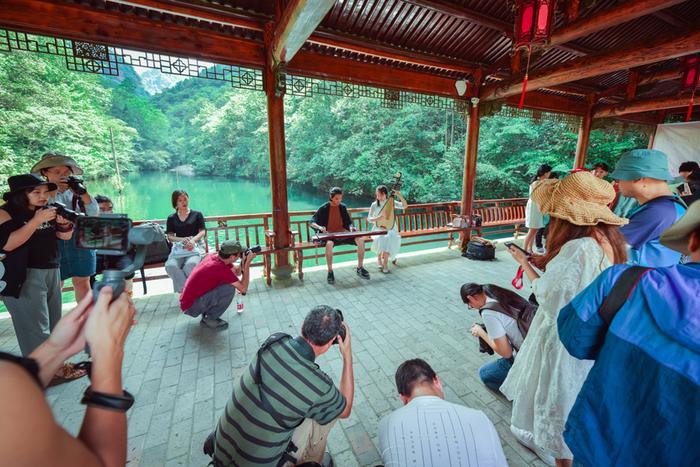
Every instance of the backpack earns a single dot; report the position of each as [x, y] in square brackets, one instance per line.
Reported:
[159, 250]
[480, 251]
[523, 313]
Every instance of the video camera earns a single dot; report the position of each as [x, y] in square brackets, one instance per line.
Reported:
[114, 234]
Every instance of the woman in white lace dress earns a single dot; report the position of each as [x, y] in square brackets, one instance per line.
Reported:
[534, 220]
[386, 246]
[583, 241]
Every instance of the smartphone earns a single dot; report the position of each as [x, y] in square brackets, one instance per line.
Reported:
[109, 235]
[510, 244]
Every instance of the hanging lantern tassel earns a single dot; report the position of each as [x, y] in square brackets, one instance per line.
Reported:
[527, 70]
[690, 105]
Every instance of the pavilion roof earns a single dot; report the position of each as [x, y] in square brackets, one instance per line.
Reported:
[440, 41]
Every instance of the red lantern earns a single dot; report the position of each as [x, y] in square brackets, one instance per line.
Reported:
[533, 24]
[690, 79]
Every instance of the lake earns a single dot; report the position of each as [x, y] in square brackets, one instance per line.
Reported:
[146, 195]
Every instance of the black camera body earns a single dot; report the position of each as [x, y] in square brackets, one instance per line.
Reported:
[484, 347]
[253, 249]
[76, 184]
[65, 212]
[341, 332]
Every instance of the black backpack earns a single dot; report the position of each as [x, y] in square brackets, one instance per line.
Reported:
[523, 313]
[158, 251]
[479, 251]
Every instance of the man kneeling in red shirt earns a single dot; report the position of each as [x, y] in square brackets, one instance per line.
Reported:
[210, 287]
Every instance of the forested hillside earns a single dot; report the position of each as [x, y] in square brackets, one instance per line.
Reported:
[219, 130]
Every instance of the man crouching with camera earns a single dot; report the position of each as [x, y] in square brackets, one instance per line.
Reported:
[283, 407]
[76, 263]
[210, 288]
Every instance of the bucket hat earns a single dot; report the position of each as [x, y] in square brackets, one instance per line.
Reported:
[53, 159]
[676, 237]
[642, 163]
[26, 182]
[231, 247]
[580, 198]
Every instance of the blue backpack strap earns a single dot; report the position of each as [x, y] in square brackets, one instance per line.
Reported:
[620, 292]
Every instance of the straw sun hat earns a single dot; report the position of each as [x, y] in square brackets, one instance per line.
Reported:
[580, 198]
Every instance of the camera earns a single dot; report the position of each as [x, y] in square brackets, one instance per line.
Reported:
[484, 347]
[76, 184]
[64, 212]
[254, 249]
[341, 332]
[114, 234]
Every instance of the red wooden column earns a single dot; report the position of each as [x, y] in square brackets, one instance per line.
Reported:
[278, 159]
[470, 154]
[584, 134]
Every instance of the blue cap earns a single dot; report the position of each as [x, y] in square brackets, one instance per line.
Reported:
[642, 163]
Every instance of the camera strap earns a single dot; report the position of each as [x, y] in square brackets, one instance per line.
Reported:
[621, 291]
[257, 379]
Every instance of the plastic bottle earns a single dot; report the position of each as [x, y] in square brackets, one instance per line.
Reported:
[239, 302]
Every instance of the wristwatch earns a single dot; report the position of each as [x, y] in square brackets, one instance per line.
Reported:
[120, 403]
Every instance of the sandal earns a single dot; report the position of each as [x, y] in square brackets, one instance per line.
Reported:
[68, 372]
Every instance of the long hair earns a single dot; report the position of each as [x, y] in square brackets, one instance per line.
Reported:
[19, 201]
[562, 231]
[505, 297]
[543, 169]
[382, 189]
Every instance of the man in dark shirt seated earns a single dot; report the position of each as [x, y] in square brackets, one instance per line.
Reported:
[283, 406]
[333, 216]
[210, 288]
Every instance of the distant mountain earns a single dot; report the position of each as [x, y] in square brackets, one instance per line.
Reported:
[125, 72]
[155, 82]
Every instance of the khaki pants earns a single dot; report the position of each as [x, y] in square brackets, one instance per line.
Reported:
[310, 438]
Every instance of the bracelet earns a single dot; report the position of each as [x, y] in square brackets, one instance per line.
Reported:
[108, 401]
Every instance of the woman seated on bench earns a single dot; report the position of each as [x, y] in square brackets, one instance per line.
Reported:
[185, 228]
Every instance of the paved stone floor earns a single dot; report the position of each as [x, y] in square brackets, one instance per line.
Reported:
[182, 374]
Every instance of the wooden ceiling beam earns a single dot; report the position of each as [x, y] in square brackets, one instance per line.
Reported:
[613, 16]
[639, 106]
[458, 11]
[661, 48]
[549, 103]
[299, 20]
[644, 79]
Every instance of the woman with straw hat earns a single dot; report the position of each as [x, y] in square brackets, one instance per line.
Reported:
[583, 241]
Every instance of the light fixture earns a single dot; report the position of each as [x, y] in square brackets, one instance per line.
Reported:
[461, 85]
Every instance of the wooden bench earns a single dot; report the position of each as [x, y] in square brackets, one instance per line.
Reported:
[500, 216]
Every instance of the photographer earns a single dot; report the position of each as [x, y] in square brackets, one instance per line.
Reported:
[502, 333]
[76, 263]
[29, 236]
[30, 435]
[266, 423]
[210, 288]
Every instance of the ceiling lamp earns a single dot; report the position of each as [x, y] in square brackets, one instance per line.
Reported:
[690, 78]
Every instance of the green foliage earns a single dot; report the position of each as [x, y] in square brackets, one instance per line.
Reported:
[353, 143]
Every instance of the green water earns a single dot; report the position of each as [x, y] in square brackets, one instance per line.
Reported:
[147, 195]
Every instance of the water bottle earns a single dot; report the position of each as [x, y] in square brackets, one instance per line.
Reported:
[239, 302]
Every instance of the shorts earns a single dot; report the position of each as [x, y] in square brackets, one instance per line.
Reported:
[75, 262]
[339, 241]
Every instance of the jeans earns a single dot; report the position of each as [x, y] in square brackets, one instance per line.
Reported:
[494, 373]
[179, 269]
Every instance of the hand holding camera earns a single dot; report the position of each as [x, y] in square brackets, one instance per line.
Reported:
[76, 185]
[42, 216]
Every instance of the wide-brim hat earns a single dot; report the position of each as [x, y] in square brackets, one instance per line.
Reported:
[53, 159]
[642, 163]
[676, 237]
[26, 182]
[580, 198]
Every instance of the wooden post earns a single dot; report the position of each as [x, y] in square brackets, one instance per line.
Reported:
[278, 161]
[584, 134]
[469, 178]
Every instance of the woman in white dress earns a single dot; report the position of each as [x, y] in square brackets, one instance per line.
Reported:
[534, 220]
[386, 246]
[583, 241]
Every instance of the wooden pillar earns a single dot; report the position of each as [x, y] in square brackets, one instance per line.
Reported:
[470, 154]
[278, 160]
[584, 134]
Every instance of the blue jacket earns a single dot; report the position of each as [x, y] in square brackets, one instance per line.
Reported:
[640, 405]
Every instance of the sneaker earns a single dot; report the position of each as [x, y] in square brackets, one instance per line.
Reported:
[363, 273]
[331, 277]
[527, 439]
[216, 323]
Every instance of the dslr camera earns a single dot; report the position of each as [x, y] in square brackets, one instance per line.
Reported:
[254, 249]
[115, 235]
[64, 212]
[483, 346]
[342, 332]
[76, 184]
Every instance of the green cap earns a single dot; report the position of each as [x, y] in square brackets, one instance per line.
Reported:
[642, 163]
[231, 247]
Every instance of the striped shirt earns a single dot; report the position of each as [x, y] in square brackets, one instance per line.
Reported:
[431, 432]
[293, 386]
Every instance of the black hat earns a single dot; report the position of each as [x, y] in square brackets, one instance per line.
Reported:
[25, 182]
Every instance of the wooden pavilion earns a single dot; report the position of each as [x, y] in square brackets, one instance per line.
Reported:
[603, 58]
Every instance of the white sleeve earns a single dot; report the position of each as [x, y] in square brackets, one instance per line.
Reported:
[398, 204]
[493, 324]
[373, 210]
